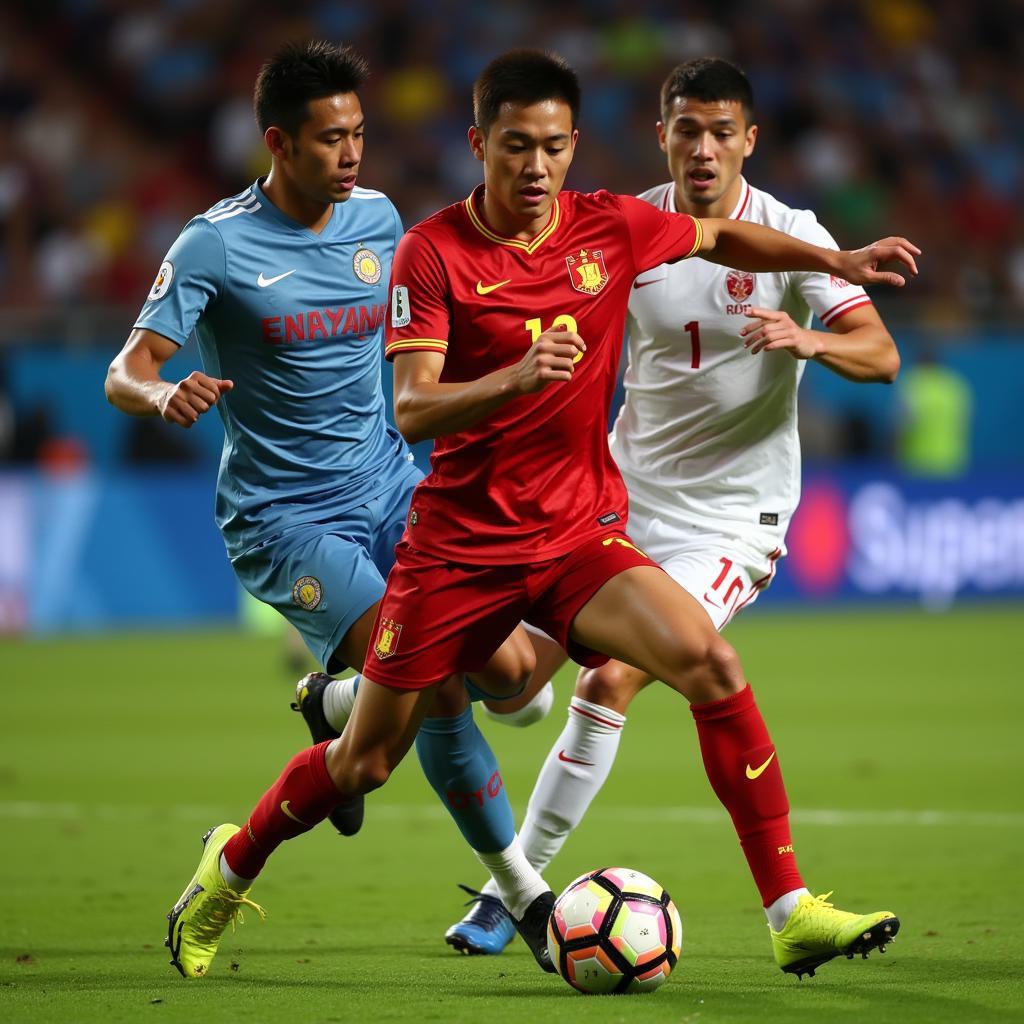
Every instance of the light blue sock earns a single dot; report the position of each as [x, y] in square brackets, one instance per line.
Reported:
[463, 771]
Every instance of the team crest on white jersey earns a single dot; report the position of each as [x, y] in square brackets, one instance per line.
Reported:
[587, 271]
[739, 284]
[366, 264]
[162, 284]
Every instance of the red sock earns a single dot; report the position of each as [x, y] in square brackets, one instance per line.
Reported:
[744, 773]
[300, 799]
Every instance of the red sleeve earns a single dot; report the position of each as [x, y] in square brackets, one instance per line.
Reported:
[418, 315]
[658, 237]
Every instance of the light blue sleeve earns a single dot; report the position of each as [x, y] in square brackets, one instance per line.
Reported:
[190, 278]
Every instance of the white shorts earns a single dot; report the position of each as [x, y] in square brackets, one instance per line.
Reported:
[724, 572]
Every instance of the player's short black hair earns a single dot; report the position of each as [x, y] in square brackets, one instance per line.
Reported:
[300, 72]
[524, 76]
[708, 79]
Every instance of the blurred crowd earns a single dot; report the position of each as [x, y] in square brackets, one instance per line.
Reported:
[121, 119]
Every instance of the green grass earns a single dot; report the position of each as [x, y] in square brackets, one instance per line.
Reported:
[118, 752]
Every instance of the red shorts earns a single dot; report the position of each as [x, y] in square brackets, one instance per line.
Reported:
[438, 619]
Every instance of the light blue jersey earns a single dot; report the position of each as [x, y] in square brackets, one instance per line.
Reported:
[295, 319]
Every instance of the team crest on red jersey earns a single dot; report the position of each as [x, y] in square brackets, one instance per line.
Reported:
[587, 271]
[739, 284]
[387, 638]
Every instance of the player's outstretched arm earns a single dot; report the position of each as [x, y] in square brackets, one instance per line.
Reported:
[753, 247]
[426, 408]
[134, 384]
[856, 346]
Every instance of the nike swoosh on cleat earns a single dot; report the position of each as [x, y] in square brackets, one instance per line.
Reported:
[486, 289]
[266, 282]
[753, 773]
[563, 756]
[284, 807]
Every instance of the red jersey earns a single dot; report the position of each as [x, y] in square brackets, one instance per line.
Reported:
[534, 479]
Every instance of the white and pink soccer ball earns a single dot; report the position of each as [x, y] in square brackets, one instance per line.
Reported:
[614, 930]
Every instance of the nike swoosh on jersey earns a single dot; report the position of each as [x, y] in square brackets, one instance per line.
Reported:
[753, 773]
[486, 289]
[266, 282]
[284, 807]
[563, 756]
[643, 284]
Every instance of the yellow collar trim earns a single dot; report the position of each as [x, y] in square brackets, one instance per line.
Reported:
[529, 247]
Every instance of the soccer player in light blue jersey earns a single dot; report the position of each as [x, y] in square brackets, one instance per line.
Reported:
[284, 286]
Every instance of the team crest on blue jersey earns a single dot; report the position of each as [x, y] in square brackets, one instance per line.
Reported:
[162, 284]
[366, 264]
[587, 271]
[307, 592]
[387, 638]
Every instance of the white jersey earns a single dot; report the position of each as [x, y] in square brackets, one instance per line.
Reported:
[707, 435]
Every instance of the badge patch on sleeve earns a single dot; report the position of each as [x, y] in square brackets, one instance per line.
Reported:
[307, 592]
[162, 284]
[401, 315]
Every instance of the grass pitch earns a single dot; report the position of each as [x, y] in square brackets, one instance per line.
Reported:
[899, 733]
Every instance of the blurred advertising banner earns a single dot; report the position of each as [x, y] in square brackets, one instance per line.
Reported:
[95, 551]
[864, 537]
[91, 551]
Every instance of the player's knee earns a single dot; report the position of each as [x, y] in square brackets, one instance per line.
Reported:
[535, 709]
[610, 686]
[370, 772]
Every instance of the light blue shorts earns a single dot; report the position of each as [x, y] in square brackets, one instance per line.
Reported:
[323, 577]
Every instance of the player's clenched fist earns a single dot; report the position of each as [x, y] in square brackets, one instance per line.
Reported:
[860, 266]
[551, 358]
[183, 403]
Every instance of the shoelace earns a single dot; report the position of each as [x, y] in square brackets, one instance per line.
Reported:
[490, 912]
[224, 905]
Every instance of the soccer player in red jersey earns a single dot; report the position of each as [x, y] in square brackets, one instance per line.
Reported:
[506, 319]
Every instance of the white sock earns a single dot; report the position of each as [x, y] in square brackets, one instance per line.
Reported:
[339, 697]
[236, 882]
[514, 881]
[573, 773]
[779, 911]
[533, 711]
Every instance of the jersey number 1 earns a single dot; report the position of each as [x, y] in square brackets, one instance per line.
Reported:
[693, 329]
[566, 322]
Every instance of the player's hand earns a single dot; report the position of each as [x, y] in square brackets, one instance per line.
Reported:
[551, 358]
[183, 403]
[773, 329]
[860, 266]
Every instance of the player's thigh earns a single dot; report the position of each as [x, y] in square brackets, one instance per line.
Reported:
[324, 584]
[508, 671]
[643, 617]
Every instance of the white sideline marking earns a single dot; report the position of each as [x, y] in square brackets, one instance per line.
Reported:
[38, 810]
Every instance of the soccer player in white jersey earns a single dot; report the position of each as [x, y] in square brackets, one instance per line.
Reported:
[706, 439]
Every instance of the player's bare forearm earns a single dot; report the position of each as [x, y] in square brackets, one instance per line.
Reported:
[753, 247]
[134, 384]
[857, 346]
[426, 408]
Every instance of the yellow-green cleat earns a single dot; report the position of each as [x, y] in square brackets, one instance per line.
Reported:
[816, 932]
[204, 910]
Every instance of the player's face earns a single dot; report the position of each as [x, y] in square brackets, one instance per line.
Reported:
[322, 160]
[526, 155]
[706, 144]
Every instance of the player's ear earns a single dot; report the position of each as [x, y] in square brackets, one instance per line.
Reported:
[476, 142]
[751, 141]
[277, 142]
[662, 138]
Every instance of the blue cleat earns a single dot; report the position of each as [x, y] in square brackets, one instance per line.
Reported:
[486, 929]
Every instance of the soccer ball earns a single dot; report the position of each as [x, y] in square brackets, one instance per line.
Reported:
[614, 930]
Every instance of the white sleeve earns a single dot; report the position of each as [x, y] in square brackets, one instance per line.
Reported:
[828, 296]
